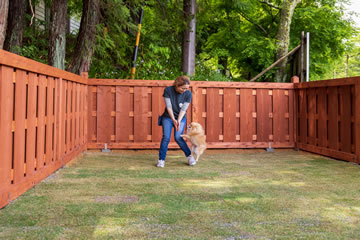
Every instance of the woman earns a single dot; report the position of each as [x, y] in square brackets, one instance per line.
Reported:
[177, 99]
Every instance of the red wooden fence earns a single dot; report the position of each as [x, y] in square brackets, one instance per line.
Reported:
[328, 118]
[124, 113]
[43, 124]
[49, 116]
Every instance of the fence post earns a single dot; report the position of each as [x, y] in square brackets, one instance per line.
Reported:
[357, 121]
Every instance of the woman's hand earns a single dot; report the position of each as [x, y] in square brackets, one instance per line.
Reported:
[176, 124]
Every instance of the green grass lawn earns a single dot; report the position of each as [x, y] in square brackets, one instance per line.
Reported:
[229, 194]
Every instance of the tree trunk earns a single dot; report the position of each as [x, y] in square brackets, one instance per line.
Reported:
[15, 27]
[86, 39]
[57, 36]
[283, 36]
[188, 46]
[4, 9]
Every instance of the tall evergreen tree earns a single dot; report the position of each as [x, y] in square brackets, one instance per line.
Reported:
[16, 25]
[86, 40]
[57, 35]
[283, 36]
[189, 37]
[4, 9]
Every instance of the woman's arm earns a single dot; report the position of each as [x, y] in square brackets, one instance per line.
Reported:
[171, 113]
[183, 111]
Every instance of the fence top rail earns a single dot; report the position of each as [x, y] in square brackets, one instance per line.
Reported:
[329, 83]
[19, 62]
[165, 83]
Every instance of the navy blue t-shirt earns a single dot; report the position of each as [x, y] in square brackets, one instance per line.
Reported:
[177, 100]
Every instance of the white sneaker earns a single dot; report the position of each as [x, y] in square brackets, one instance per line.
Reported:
[161, 163]
[191, 160]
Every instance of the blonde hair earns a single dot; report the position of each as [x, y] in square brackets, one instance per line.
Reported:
[181, 81]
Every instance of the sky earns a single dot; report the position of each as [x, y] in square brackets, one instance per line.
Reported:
[355, 7]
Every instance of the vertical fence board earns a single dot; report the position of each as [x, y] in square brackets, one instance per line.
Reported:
[104, 118]
[49, 120]
[213, 121]
[92, 108]
[345, 123]
[264, 122]
[41, 123]
[122, 114]
[140, 114]
[57, 117]
[19, 136]
[230, 119]
[333, 129]
[303, 116]
[195, 113]
[246, 115]
[357, 121]
[157, 107]
[31, 125]
[62, 114]
[280, 107]
[86, 96]
[6, 116]
[322, 117]
[68, 115]
[73, 115]
[201, 106]
[78, 115]
[311, 102]
[81, 114]
[292, 116]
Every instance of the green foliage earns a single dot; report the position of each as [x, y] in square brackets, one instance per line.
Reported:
[235, 39]
[35, 41]
[328, 31]
[115, 40]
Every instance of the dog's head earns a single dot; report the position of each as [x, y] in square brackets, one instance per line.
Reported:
[195, 128]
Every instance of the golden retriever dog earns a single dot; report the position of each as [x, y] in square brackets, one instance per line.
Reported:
[195, 133]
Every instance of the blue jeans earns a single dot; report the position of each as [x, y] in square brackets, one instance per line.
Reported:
[167, 125]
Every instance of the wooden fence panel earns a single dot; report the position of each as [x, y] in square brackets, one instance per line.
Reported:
[32, 123]
[333, 130]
